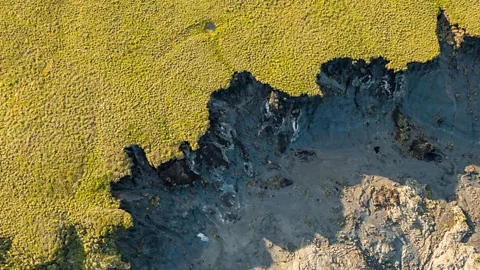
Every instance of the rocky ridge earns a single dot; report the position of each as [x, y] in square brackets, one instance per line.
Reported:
[380, 172]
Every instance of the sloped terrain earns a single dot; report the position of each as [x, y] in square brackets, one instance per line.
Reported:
[82, 79]
[380, 172]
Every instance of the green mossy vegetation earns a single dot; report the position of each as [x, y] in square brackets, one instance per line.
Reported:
[80, 80]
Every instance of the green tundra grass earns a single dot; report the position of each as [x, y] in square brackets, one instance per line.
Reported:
[81, 79]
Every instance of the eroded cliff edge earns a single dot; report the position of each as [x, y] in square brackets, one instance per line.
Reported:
[380, 172]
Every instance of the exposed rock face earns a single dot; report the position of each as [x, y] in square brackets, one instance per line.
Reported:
[380, 172]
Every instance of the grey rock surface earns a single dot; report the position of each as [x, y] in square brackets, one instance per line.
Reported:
[379, 173]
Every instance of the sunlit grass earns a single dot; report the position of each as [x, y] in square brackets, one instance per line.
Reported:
[79, 80]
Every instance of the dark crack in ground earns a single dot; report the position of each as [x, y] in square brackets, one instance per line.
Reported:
[381, 172]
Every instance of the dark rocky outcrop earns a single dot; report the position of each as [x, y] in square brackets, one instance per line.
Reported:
[301, 173]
